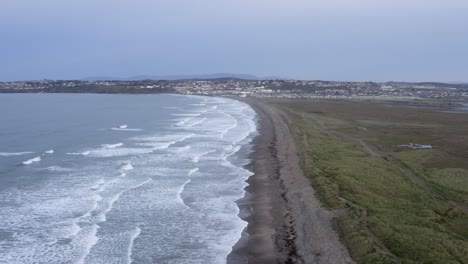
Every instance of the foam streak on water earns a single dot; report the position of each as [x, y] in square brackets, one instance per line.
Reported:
[8, 154]
[181, 190]
[133, 236]
[164, 193]
[112, 146]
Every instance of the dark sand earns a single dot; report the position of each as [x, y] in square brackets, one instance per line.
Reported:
[286, 222]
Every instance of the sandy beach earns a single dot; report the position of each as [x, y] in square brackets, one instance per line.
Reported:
[286, 222]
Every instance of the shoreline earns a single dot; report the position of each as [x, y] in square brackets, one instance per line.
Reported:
[285, 221]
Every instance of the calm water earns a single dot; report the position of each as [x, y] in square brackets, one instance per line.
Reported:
[121, 178]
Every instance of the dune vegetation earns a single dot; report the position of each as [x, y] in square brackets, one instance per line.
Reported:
[404, 205]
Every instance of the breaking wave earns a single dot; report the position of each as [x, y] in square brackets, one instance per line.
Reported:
[8, 154]
[31, 161]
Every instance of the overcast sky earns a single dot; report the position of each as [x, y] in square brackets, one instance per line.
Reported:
[379, 40]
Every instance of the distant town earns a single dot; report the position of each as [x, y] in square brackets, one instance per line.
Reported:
[246, 88]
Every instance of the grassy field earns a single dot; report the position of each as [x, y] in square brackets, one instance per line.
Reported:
[405, 205]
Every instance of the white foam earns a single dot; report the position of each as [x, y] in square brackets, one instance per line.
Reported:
[116, 197]
[96, 199]
[57, 169]
[163, 138]
[136, 233]
[98, 185]
[181, 149]
[223, 134]
[165, 145]
[75, 229]
[183, 121]
[49, 151]
[235, 149]
[126, 129]
[119, 152]
[31, 161]
[180, 191]
[8, 154]
[192, 171]
[141, 184]
[191, 115]
[196, 158]
[185, 137]
[110, 206]
[85, 153]
[197, 122]
[203, 111]
[90, 241]
[127, 166]
[186, 122]
[155, 145]
[112, 146]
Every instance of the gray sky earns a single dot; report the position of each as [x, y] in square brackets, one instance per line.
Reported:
[401, 40]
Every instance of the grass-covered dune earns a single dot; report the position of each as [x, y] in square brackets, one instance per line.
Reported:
[404, 205]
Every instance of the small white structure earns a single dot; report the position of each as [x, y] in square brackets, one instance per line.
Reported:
[416, 146]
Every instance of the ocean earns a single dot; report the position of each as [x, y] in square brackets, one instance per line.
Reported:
[87, 178]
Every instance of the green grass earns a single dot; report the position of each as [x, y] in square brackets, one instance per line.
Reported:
[391, 218]
[452, 178]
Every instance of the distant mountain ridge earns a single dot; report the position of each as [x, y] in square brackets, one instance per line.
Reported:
[184, 77]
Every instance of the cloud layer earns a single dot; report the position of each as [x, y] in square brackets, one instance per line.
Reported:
[337, 39]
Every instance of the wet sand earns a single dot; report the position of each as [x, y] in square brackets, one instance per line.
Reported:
[286, 222]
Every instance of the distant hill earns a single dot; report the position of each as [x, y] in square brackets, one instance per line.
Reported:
[459, 82]
[182, 77]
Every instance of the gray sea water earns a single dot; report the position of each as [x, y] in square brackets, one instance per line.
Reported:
[121, 178]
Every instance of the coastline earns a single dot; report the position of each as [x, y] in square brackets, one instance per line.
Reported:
[286, 222]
